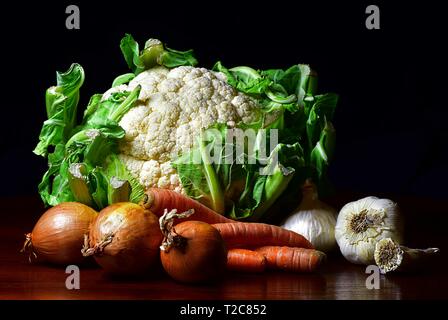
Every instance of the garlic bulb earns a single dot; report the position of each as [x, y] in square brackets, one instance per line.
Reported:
[313, 219]
[361, 224]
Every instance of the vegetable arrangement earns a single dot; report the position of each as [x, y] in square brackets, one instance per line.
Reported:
[128, 239]
[141, 156]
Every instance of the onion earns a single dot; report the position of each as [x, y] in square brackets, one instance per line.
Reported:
[192, 251]
[58, 235]
[124, 239]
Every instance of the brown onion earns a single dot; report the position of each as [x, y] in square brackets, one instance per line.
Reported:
[125, 239]
[192, 251]
[58, 235]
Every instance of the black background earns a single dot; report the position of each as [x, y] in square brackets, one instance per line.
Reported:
[391, 119]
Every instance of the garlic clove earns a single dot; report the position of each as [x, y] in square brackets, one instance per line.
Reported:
[390, 256]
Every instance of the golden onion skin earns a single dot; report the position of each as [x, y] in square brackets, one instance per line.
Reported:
[203, 256]
[135, 239]
[58, 235]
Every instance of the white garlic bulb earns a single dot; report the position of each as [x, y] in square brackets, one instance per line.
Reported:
[361, 224]
[314, 220]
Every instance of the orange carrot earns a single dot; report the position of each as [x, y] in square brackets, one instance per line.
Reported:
[243, 260]
[292, 259]
[157, 200]
[251, 234]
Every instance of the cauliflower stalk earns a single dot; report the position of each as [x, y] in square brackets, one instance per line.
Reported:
[143, 132]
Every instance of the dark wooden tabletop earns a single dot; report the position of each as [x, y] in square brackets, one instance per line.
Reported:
[337, 280]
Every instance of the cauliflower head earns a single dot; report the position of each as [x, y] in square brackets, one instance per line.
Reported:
[143, 131]
[173, 106]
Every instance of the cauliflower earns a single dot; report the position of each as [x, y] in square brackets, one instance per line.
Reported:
[174, 105]
[143, 133]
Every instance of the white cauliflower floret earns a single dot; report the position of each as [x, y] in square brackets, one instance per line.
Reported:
[172, 108]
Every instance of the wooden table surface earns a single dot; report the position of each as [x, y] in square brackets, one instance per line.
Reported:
[337, 280]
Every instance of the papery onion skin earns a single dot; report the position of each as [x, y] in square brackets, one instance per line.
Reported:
[203, 257]
[136, 237]
[58, 235]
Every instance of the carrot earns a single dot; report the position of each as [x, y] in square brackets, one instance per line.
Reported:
[292, 259]
[157, 200]
[251, 234]
[243, 260]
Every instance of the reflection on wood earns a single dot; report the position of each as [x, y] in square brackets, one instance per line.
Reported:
[336, 280]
